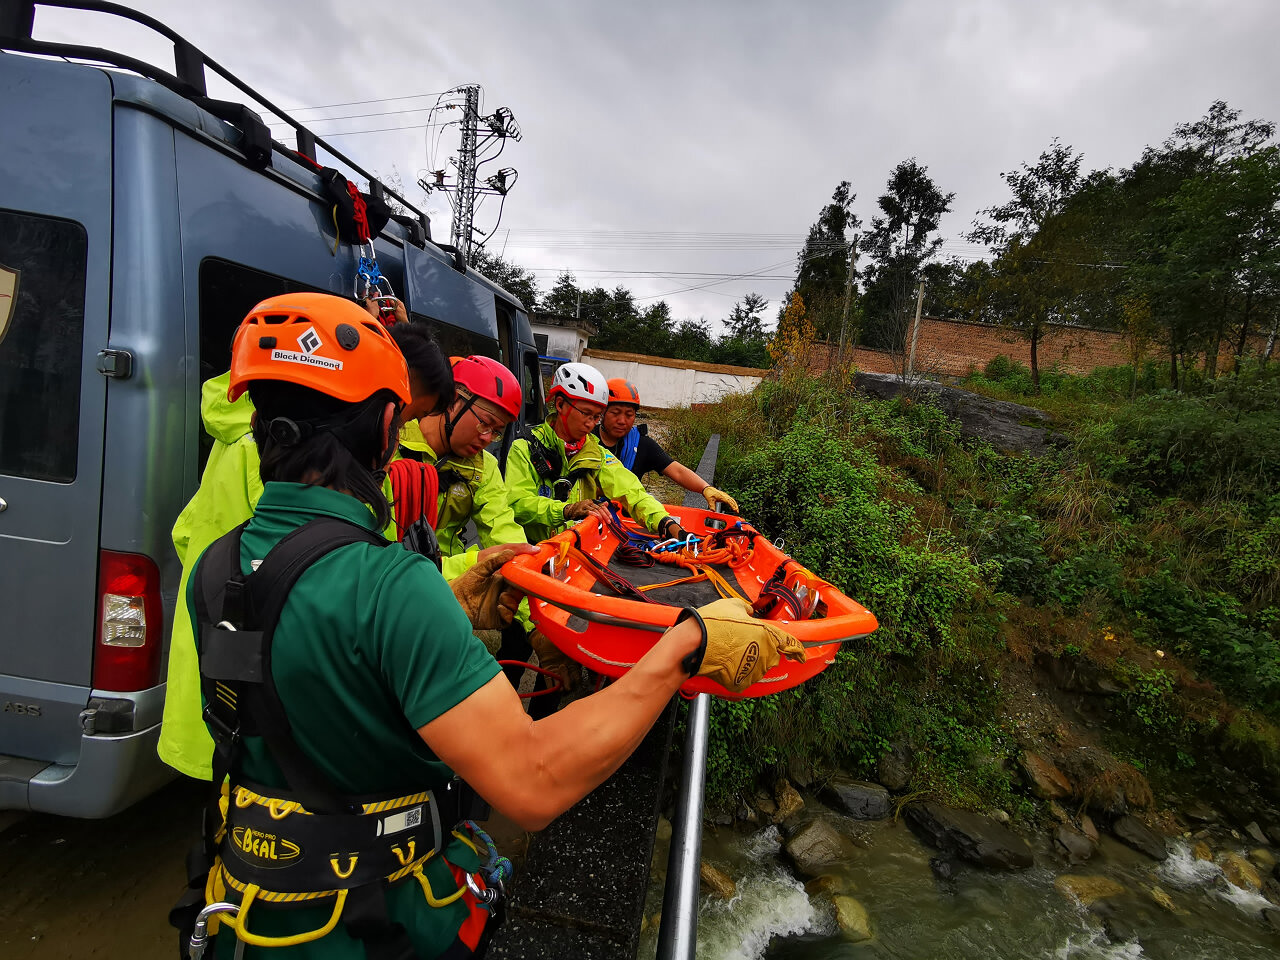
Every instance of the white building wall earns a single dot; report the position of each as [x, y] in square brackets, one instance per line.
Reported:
[668, 387]
[562, 341]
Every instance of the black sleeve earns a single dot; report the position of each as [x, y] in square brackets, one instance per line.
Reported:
[650, 456]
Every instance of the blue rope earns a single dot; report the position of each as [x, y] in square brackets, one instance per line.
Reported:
[497, 870]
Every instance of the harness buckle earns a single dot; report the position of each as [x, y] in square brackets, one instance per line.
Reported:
[223, 732]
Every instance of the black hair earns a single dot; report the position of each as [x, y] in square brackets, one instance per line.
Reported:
[305, 436]
[429, 370]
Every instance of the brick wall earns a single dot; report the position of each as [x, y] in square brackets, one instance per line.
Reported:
[951, 348]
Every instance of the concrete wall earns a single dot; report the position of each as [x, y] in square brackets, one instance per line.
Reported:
[666, 383]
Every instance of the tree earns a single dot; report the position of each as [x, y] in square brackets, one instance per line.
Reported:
[897, 247]
[1037, 247]
[823, 262]
[795, 333]
[692, 340]
[745, 342]
[514, 279]
[563, 297]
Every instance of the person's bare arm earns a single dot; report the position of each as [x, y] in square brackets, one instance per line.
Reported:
[532, 771]
[677, 471]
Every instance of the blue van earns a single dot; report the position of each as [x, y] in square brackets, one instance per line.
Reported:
[139, 222]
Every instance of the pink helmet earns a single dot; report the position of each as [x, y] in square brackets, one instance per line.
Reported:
[487, 379]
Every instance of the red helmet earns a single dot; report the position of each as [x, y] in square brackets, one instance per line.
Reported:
[622, 390]
[489, 380]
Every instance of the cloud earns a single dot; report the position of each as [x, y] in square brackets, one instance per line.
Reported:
[739, 116]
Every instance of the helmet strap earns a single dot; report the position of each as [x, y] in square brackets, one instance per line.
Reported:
[451, 422]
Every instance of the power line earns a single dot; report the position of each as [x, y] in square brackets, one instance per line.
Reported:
[360, 103]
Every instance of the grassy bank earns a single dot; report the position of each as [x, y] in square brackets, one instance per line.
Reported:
[1147, 549]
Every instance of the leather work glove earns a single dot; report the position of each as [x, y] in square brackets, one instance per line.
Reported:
[581, 509]
[551, 657]
[488, 600]
[714, 496]
[738, 649]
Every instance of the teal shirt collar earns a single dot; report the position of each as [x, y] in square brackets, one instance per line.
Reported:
[281, 502]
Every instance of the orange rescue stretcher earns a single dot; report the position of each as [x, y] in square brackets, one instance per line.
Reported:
[582, 598]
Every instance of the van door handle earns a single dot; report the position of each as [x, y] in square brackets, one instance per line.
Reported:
[4, 504]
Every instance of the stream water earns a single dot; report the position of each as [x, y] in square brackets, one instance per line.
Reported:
[977, 915]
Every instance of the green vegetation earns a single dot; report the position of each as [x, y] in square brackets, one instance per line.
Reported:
[1148, 546]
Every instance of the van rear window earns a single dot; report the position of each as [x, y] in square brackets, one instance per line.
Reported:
[42, 276]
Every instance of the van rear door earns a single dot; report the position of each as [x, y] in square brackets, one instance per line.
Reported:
[55, 258]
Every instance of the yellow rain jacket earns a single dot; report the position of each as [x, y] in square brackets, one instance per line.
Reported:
[228, 492]
[475, 493]
[593, 471]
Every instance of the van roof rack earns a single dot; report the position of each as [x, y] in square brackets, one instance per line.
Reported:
[17, 19]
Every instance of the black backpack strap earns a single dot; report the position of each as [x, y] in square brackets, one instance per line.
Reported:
[235, 655]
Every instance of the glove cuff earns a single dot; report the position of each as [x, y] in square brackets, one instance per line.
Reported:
[693, 662]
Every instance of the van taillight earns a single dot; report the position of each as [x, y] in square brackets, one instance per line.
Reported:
[130, 624]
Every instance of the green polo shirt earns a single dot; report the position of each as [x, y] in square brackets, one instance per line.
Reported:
[370, 646]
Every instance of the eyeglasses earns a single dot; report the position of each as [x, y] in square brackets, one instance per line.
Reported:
[487, 429]
[591, 418]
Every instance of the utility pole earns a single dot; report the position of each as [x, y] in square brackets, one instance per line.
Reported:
[464, 209]
[915, 332]
[478, 135]
[848, 296]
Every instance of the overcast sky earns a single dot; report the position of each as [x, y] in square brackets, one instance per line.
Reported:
[688, 121]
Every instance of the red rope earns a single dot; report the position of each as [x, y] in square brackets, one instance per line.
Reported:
[361, 215]
[556, 688]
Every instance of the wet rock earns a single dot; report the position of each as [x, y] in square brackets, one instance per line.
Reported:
[1072, 844]
[894, 769]
[852, 919]
[1271, 917]
[1000, 816]
[1164, 900]
[1198, 812]
[859, 799]
[1088, 828]
[1087, 889]
[829, 884]
[717, 882]
[1273, 833]
[1201, 851]
[813, 848]
[788, 800]
[746, 813]
[1134, 833]
[944, 868]
[1240, 872]
[1262, 858]
[1255, 831]
[970, 836]
[1119, 930]
[801, 772]
[766, 806]
[1043, 779]
[663, 830]
[718, 817]
[1058, 813]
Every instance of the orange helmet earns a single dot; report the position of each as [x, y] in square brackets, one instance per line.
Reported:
[622, 390]
[319, 341]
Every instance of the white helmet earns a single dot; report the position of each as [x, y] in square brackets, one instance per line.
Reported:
[580, 381]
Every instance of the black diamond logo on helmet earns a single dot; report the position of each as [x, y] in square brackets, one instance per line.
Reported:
[310, 341]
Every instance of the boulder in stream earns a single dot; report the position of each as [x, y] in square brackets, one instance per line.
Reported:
[788, 800]
[717, 881]
[1087, 889]
[1240, 872]
[1201, 851]
[1043, 778]
[814, 847]
[828, 883]
[1262, 858]
[969, 836]
[1271, 917]
[851, 918]
[1072, 844]
[1255, 832]
[859, 799]
[1134, 833]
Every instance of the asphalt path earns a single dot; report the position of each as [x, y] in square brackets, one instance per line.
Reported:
[97, 888]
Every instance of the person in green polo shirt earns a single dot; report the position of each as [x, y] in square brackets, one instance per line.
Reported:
[382, 702]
